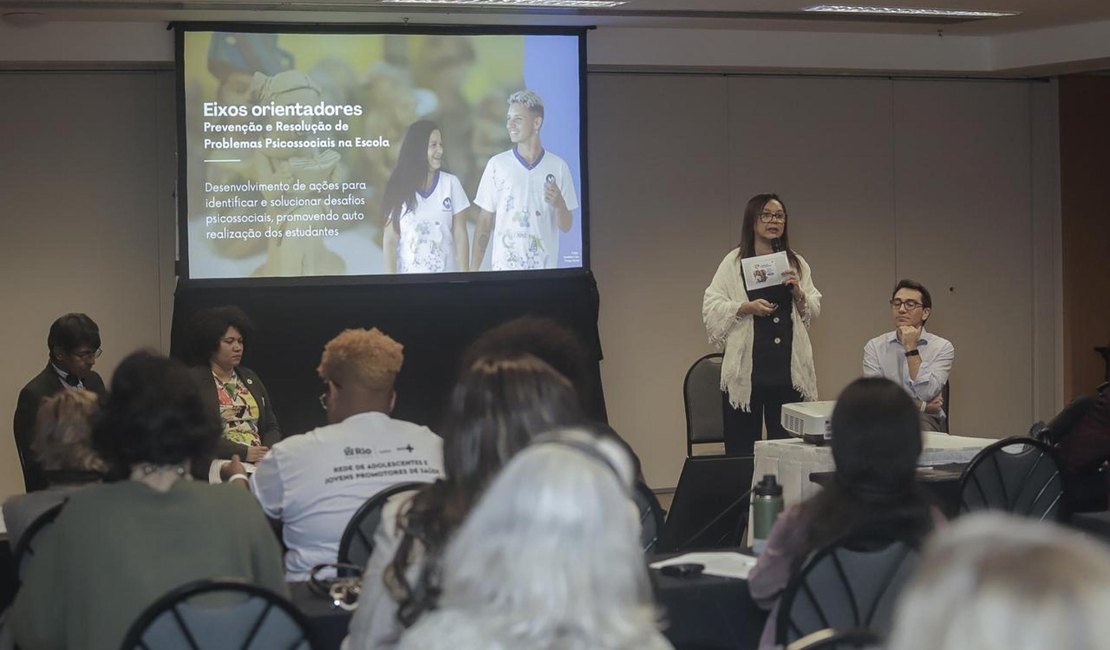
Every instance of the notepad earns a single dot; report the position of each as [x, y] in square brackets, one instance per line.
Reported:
[764, 271]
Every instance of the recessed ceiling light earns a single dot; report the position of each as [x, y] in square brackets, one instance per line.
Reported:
[572, 4]
[910, 11]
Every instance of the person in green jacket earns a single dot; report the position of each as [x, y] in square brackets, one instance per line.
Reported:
[118, 547]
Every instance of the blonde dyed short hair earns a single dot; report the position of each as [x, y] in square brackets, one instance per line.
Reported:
[529, 100]
[63, 430]
[364, 357]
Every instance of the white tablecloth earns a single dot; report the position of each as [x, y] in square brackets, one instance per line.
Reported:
[792, 461]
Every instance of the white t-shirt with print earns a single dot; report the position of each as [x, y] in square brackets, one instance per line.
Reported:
[427, 243]
[525, 230]
[314, 482]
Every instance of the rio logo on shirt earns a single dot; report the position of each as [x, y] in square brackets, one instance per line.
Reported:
[447, 203]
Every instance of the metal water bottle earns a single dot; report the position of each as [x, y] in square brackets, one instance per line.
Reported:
[766, 506]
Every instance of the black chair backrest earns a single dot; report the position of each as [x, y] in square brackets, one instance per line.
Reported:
[32, 537]
[357, 542]
[1018, 475]
[829, 639]
[946, 393]
[651, 516]
[217, 614]
[701, 394]
[710, 505]
[848, 585]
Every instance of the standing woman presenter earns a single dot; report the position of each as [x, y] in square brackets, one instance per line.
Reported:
[768, 360]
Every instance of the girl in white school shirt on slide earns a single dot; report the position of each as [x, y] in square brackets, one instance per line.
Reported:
[425, 225]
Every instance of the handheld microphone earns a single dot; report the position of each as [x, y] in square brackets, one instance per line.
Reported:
[776, 245]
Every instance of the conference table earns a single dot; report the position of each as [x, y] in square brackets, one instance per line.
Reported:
[792, 461]
[703, 610]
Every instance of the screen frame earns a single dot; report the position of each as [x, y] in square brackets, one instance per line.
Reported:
[182, 265]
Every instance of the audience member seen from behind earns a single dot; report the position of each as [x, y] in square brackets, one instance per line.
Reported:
[117, 547]
[310, 481]
[62, 448]
[549, 558]
[876, 441]
[218, 338]
[495, 410]
[559, 347]
[763, 331]
[1086, 446]
[73, 344]
[995, 582]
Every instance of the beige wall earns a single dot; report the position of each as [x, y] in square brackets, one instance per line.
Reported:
[943, 181]
[88, 220]
[883, 178]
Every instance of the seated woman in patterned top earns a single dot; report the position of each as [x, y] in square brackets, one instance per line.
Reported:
[217, 339]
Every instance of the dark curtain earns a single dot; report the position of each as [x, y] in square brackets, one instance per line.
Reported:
[434, 321]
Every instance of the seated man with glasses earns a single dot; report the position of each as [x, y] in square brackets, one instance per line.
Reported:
[74, 346]
[916, 360]
[314, 482]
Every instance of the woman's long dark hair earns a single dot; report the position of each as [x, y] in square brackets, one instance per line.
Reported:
[876, 445]
[411, 172]
[746, 247]
[498, 406]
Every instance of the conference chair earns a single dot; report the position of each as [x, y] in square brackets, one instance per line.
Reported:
[946, 393]
[357, 542]
[213, 614]
[829, 639]
[32, 538]
[651, 516]
[702, 397]
[851, 584]
[1017, 475]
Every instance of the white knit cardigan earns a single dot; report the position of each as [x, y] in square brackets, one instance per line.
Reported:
[734, 334]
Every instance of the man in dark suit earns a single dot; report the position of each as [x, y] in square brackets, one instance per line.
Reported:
[74, 345]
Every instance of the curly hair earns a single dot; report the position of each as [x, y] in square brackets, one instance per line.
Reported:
[63, 430]
[367, 358]
[208, 326]
[154, 414]
[544, 338]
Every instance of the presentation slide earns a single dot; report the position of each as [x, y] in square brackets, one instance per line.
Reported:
[371, 154]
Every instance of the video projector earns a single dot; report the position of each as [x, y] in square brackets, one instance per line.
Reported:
[810, 421]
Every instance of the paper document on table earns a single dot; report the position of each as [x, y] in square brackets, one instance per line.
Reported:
[726, 564]
[764, 270]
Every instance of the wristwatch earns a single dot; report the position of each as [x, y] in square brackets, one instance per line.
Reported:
[913, 353]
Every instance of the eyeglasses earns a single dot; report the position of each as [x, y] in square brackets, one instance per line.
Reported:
[87, 355]
[910, 305]
[772, 217]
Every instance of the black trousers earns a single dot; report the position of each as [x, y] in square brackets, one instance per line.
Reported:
[743, 429]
